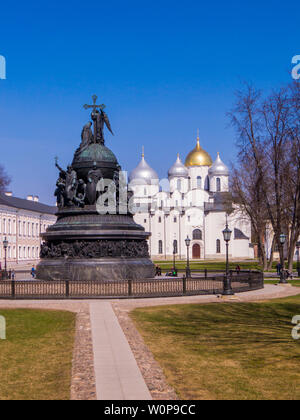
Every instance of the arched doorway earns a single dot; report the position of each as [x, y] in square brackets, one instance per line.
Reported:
[196, 252]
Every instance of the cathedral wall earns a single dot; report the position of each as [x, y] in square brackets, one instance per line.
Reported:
[195, 172]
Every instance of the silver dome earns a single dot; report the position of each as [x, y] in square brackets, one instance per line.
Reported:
[178, 169]
[218, 167]
[143, 174]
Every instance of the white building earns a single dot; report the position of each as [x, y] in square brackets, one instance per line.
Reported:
[21, 223]
[195, 206]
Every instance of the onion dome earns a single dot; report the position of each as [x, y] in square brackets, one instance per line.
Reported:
[198, 157]
[178, 169]
[143, 174]
[218, 168]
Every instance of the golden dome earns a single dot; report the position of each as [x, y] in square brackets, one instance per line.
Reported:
[198, 157]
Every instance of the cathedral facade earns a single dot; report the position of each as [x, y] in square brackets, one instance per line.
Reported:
[196, 205]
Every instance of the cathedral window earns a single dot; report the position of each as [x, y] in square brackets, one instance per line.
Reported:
[197, 234]
[159, 219]
[160, 247]
[199, 182]
[218, 246]
[175, 219]
[178, 184]
[218, 181]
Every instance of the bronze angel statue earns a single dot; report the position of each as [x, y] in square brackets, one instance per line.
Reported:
[100, 118]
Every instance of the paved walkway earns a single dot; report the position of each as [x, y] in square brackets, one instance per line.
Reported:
[118, 376]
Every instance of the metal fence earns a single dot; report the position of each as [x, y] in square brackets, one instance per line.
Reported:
[197, 284]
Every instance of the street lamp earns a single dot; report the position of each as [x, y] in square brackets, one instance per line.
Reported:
[282, 239]
[5, 246]
[227, 279]
[188, 270]
[298, 257]
[174, 257]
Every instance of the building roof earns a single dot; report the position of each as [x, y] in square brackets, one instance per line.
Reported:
[143, 174]
[21, 203]
[222, 202]
[238, 234]
[178, 169]
[218, 168]
[198, 157]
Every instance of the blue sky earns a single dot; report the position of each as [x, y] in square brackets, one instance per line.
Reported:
[163, 69]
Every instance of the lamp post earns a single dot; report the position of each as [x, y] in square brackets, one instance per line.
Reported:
[188, 270]
[282, 239]
[227, 279]
[5, 246]
[298, 257]
[174, 257]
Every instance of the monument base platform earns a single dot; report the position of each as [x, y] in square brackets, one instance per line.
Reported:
[102, 269]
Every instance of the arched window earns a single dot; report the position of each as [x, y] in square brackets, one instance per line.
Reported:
[145, 191]
[175, 246]
[189, 182]
[218, 246]
[160, 247]
[197, 234]
[199, 182]
[179, 184]
[207, 184]
[218, 182]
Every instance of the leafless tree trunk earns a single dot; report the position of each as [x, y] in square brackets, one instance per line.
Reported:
[268, 143]
[4, 180]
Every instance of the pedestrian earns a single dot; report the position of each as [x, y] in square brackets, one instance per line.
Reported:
[278, 268]
[33, 272]
[238, 269]
[13, 275]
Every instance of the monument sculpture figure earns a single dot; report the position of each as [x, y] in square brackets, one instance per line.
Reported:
[94, 176]
[85, 244]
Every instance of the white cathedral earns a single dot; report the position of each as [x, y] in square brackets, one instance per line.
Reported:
[194, 206]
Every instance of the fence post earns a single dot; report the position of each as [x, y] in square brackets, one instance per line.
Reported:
[13, 289]
[184, 284]
[129, 287]
[67, 288]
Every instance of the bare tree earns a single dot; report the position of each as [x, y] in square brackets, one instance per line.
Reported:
[4, 179]
[268, 143]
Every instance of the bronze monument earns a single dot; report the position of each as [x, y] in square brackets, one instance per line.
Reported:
[95, 236]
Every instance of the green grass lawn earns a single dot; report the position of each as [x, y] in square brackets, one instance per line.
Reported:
[215, 265]
[36, 357]
[226, 351]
